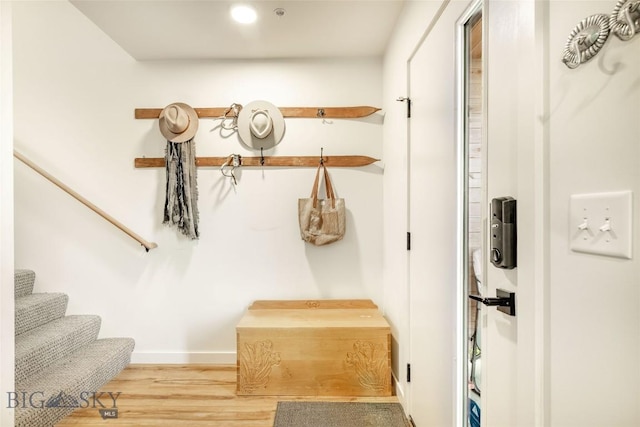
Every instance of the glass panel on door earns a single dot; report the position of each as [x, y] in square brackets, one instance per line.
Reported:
[473, 256]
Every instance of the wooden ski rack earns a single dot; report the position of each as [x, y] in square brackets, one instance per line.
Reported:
[267, 161]
[300, 112]
[278, 161]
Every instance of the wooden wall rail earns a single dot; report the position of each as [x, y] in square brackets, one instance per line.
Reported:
[300, 112]
[281, 161]
[147, 245]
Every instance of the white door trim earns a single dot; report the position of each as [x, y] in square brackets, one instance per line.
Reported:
[462, 289]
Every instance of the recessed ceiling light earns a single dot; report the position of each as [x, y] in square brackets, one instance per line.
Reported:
[244, 14]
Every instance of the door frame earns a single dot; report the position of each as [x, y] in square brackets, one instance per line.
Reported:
[462, 262]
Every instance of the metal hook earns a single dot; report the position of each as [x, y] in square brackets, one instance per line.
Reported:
[236, 161]
[320, 112]
[261, 157]
[577, 59]
[630, 21]
[321, 157]
[235, 108]
[625, 19]
[586, 40]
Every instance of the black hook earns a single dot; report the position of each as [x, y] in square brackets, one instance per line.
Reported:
[261, 157]
[321, 158]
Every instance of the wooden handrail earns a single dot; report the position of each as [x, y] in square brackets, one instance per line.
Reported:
[103, 214]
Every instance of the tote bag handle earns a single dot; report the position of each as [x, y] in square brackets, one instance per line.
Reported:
[327, 187]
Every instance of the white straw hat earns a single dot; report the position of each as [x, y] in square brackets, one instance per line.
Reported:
[178, 122]
[260, 125]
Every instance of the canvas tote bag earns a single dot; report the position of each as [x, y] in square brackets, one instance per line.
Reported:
[322, 221]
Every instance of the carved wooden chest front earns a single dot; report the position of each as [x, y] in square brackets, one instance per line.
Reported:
[314, 348]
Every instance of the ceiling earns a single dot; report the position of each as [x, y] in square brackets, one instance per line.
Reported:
[182, 29]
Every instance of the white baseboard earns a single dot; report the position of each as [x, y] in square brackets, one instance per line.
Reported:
[399, 390]
[215, 358]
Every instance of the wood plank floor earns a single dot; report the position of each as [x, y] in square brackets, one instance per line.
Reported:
[185, 395]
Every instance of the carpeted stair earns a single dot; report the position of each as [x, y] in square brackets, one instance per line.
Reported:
[59, 360]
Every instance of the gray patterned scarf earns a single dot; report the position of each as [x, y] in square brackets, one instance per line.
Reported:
[181, 203]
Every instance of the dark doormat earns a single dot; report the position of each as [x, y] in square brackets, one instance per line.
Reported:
[339, 414]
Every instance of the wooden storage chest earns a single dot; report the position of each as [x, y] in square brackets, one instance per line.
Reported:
[314, 348]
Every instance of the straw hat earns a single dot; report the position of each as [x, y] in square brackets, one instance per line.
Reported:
[260, 125]
[178, 122]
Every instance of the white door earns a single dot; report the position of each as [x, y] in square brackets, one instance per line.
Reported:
[512, 368]
[513, 353]
[433, 222]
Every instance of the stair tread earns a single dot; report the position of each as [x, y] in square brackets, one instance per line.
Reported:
[80, 360]
[36, 298]
[23, 281]
[52, 330]
[70, 382]
[41, 347]
[34, 310]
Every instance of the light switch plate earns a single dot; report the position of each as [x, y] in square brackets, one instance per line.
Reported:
[601, 223]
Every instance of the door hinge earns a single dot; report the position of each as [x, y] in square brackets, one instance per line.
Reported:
[408, 100]
[408, 372]
[408, 240]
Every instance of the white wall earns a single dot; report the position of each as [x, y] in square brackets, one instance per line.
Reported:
[594, 300]
[410, 27]
[75, 93]
[6, 213]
